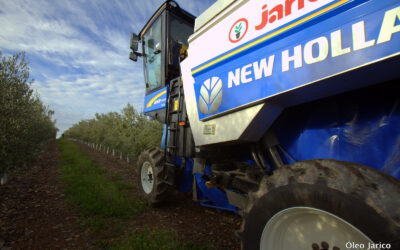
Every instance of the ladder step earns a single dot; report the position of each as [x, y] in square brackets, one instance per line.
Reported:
[172, 129]
[170, 164]
[176, 94]
[171, 146]
[175, 86]
[173, 111]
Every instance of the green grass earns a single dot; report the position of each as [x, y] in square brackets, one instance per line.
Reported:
[90, 190]
[154, 240]
[102, 201]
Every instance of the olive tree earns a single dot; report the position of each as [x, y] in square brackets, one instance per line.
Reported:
[25, 124]
[128, 132]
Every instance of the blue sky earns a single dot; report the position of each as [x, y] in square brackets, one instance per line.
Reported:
[78, 51]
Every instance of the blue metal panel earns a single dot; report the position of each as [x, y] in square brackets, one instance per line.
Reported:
[185, 181]
[163, 136]
[155, 100]
[216, 196]
[361, 126]
[371, 13]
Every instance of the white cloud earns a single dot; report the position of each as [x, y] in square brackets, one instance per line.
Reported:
[83, 97]
[78, 51]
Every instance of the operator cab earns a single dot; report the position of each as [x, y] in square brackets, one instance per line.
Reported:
[164, 44]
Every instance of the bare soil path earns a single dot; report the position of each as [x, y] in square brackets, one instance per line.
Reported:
[33, 210]
[34, 213]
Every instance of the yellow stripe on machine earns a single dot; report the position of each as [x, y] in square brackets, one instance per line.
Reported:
[155, 98]
[262, 39]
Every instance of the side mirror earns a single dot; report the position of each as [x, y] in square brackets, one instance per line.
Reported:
[134, 43]
[133, 56]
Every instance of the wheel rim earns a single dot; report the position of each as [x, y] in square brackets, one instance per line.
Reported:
[147, 177]
[301, 227]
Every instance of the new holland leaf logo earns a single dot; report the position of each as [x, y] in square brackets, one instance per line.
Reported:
[210, 95]
[238, 28]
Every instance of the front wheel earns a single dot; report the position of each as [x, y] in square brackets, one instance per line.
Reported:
[150, 176]
[323, 204]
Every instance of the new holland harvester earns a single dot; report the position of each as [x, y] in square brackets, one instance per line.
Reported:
[286, 112]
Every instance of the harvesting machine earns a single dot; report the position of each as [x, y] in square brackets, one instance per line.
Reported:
[286, 112]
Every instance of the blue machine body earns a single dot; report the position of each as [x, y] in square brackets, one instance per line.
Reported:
[361, 126]
[360, 24]
[335, 107]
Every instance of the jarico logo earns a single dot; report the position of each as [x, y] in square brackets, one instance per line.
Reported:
[210, 95]
[238, 30]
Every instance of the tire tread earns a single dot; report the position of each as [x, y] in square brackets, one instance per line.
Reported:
[160, 189]
[371, 187]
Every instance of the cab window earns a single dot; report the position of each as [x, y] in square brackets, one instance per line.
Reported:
[179, 33]
[152, 48]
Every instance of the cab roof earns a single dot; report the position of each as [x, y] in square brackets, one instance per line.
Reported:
[171, 5]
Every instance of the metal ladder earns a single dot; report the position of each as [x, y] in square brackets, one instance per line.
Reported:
[171, 152]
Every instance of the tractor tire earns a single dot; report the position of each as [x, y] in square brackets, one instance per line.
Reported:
[323, 204]
[150, 176]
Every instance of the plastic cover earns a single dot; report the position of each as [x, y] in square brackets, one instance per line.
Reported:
[361, 126]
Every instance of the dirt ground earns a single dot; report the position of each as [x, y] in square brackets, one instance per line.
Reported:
[34, 213]
[33, 210]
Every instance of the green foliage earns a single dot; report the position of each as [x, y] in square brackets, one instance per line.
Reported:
[25, 124]
[90, 190]
[154, 240]
[129, 132]
[238, 27]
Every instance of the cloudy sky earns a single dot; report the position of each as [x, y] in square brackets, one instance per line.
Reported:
[78, 51]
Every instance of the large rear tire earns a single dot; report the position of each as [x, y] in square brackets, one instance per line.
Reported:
[150, 176]
[323, 204]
